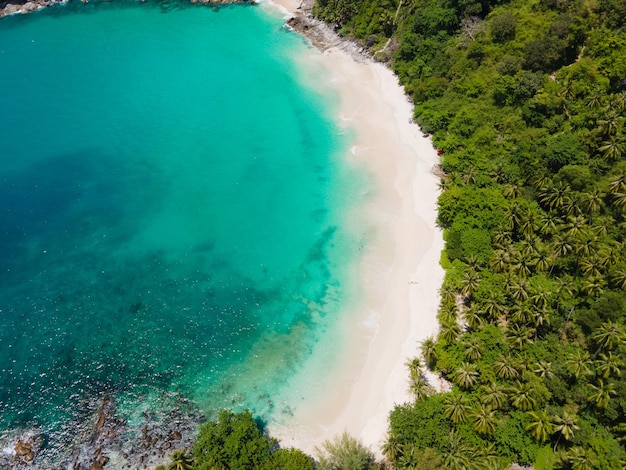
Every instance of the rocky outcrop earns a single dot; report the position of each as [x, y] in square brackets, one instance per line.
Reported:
[104, 440]
[112, 440]
[321, 35]
[11, 7]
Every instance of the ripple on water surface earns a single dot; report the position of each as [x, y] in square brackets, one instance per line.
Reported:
[170, 211]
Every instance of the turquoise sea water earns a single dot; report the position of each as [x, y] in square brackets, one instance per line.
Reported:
[171, 203]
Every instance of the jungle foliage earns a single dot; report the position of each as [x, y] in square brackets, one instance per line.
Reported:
[236, 441]
[526, 99]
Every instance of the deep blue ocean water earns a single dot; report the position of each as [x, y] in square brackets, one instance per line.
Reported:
[171, 203]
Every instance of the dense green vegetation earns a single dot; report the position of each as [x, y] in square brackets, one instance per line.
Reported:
[236, 441]
[527, 101]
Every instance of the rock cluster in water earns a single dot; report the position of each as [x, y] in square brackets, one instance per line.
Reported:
[11, 7]
[107, 441]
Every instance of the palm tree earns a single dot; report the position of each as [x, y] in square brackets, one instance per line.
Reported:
[392, 449]
[415, 367]
[609, 364]
[542, 259]
[528, 246]
[576, 226]
[565, 426]
[419, 388]
[487, 457]
[561, 245]
[493, 306]
[578, 459]
[447, 313]
[472, 317]
[521, 314]
[470, 282]
[528, 223]
[472, 261]
[543, 369]
[609, 336]
[556, 197]
[466, 375]
[518, 290]
[595, 99]
[519, 336]
[180, 460]
[473, 350]
[511, 191]
[592, 202]
[499, 261]
[541, 427]
[548, 223]
[593, 286]
[609, 255]
[591, 267]
[502, 239]
[601, 393]
[619, 200]
[493, 395]
[540, 297]
[617, 184]
[521, 266]
[602, 224]
[448, 294]
[541, 316]
[505, 368]
[611, 123]
[618, 277]
[456, 406]
[483, 419]
[570, 207]
[612, 149]
[578, 363]
[620, 429]
[586, 245]
[457, 459]
[513, 215]
[521, 395]
[449, 332]
[408, 458]
[428, 350]
[619, 101]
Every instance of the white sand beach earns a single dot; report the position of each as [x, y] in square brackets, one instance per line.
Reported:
[401, 275]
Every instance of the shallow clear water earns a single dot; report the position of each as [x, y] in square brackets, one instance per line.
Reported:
[171, 199]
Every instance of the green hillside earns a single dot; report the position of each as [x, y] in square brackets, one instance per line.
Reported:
[526, 100]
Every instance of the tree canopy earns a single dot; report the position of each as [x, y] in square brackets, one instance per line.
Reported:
[526, 99]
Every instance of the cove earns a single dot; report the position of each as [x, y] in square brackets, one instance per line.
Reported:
[171, 207]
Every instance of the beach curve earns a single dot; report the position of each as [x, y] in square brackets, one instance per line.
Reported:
[400, 272]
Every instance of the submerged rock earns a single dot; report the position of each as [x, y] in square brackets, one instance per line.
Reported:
[24, 451]
[105, 440]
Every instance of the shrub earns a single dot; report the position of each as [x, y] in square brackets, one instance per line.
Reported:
[345, 453]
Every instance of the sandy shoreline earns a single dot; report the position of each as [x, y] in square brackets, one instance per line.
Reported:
[401, 271]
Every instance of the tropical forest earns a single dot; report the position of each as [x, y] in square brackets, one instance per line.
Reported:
[526, 102]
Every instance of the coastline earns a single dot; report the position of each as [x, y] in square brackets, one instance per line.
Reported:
[400, 274]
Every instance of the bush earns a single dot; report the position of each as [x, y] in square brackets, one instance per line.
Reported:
[503, 27]
[236, 441]
[345, 453]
